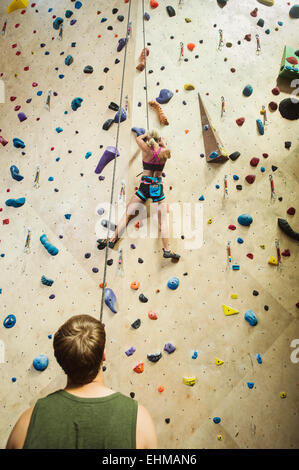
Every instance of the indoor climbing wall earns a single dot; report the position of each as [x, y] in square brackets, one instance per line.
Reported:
[226, 377]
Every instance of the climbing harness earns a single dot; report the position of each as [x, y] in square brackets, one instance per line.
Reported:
[36, 179]
[258, 44]
[221, 42]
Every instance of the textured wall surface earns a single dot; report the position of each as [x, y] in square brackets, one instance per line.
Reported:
[190, 317]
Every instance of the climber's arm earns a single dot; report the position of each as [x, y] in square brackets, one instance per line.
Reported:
[141, 143]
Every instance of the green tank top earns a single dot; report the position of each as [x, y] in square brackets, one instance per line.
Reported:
[63, 421]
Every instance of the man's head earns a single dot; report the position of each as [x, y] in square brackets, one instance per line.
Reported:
[79, 348]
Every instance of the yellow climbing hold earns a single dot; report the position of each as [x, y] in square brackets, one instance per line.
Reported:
[273, 261]
[218, 361]
[229, 310]
[283, 394]
[269, 3]
[189, 86]
[187, 20]
[219, 437]
[189, 380]
[210, 221]
[234, 296]
[262, 247]
[16, 4]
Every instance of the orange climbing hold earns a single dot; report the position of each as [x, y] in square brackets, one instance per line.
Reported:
[187, 131]
[138, 224]
[190, 46]
[101, 285]
[135, 285]
[154, 4]
[139, 368]
[161, 389]
[152, 315]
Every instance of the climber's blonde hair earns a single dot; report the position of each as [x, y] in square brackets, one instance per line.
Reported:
[154, 136]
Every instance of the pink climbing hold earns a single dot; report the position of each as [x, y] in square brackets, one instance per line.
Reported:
[13, 98]
[254, 161]
[292, 60]
[34, 84]
[249, 255]
[3, 141]
[240, 121]
[232, 227]
[291, 210]
[250, 179]
[276, 91]
[273, 106]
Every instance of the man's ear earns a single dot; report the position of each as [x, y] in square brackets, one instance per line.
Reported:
[104, 356]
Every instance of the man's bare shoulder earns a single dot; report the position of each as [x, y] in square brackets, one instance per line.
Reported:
[146, 435]
[18, 434]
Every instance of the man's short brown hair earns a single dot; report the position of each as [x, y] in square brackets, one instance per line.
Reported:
[79, 346]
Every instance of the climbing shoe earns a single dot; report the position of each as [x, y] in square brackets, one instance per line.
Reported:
[102, 243]
[170, 254]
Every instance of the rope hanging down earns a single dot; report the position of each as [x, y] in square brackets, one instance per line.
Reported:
[145, 73]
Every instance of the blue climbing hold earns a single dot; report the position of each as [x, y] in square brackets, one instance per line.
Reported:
[217, 420]
[173, 283]
[76, 103]
[250, 384]
[236, 177]
[18, 143]
[51, 249]
[51, 178]
[245, 219]
[78, 5]
[68, 13]
[250, 317]
[164, 96]
[57, 22]
[195, 355]
[68, 216]
[87, 155]
[15, 173]
[248, 90]
[40, 362]
[13, 379]
[46, 281]
[103, 20]
[201, 198]
[121, 114]
[260, 126]
[259, 358]
[214, 155]
[68, 60]
[110, 299]
[217, 186]
[15, 202]
[146, 16]
[9, 321]
[59, 129]
[240, 240]
[138, 130]
[263, 169]
[206, 127]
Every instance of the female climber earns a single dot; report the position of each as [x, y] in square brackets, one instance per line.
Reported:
[154, 156]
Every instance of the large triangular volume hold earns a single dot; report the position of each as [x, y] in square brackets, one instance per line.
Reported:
[214, 149]
[229, 311]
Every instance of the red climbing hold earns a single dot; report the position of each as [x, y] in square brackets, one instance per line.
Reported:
[248, 37]
[254, 161]
[13, 98]
[276, 91]
[17, 108]
[34, 84]
[139, 368]
[254, 12]
[5, 221]
[232, 227]
[154, 4]
[250, 179]
[265, 155]
[233, 70]
[152, 315]
[292, 60]
[249, 255]
[273, 106]
[3, 141]
[26, 68]
[190, 46]
[14, 45]
[286, 252]
[291, 210]
[240, 121]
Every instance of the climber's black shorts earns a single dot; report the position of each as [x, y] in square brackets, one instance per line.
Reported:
[151, 187]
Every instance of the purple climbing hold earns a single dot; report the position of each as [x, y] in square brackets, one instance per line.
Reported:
[22, 117]
[107, 156]
[164, 96]
[138, 130]
[121, 115]
[121, 44]
[110, 299]
[170, 348]
[146, 16]
[95, 270]
[130, 351]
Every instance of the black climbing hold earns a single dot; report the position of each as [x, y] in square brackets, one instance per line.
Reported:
[88, 69]
[261, 22]
[183, 237]
[87, 255]
[186, 60]
[266, 308]
[239, 187]
[105, 224]
[148, 44]
[117, 61]
[287, 229]
[162, 68]
[120, 18]
[197, 56]
[154, 357]
[107, 124]
[143, 299]
[200, 41]
[234, 156]
[113, 106]
[110, 262]
[132, 394]
[255, 292]
[104, 368]
[185, 274]
[289, 108]
[106, 69]
[239, 42]
[274, 168]
[167, 420]
[136, 324]
[114, 11]
[171, 37]
[150, 71]
[222, 3]
[170, 11]
[287, 144]
[140, 260]
[101, 87]
[280, 198]
[297, 53]
[110, 28]
[294, 11]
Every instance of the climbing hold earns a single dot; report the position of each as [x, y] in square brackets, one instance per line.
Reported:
[195, 355]
[170, 348]
[121, 44]
[121, 116]
[250, 384]
[254, 161]
[88, 69]
[40, 362]
[250, 317]
[76, 103]
[234, 156]
[240, 121]
[189, 381]
[9, 321]
[154, 357]
[18, 143]
[273, 106]
[142, 298]
[245, 219]
[294, 11]
[250, 179]
[78, 5]
[107, 124]
[130, 351]
[218, 361]
[261, 22]
[232, 227]
[235, 267]
[255, 293]
[57, 22]
[152, 315]
[269, 3]
[259, 358]
[283, 395]
[170, 11]
[15, 173]
[190, 46]
[289, 108]
[138, 130]
[113, 106]
[16, 5]
[164, 96]
[254, 12]
[229, 310]
[173, 283]
[135, 285]
[291, 210]
[46, 281]
[248, 90]
[136, 324]
[110, 299]
[3, 141]
[210, 221]
[15, 202]
[234, 296]
[139, 368]
[201, 198]
[286, 252]
[68, 13]
[260, 126]
[161, 389]
[22, 117]
[68, 60]
[217, 420]
[51, 249]
[219, 437]
[162, 118]
[188, 20]
[273, 261]
[189, 86]
[276, 91]
[287, 144]
[247, 37]
[240, 240]
[107, 156]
